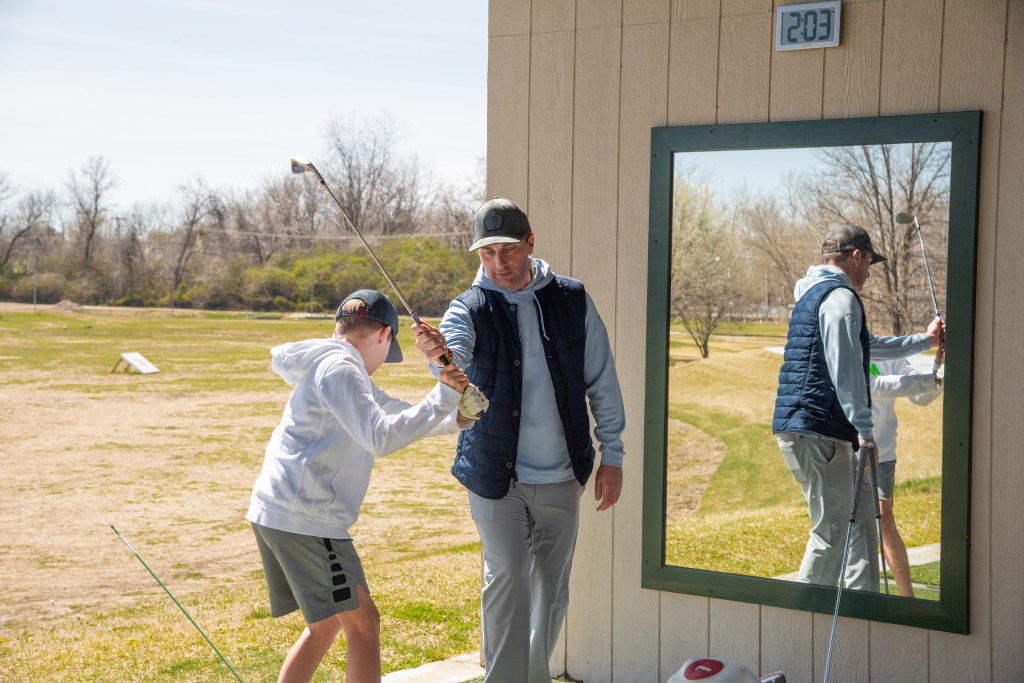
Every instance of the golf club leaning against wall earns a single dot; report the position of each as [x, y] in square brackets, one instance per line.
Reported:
[904, 218]
[301, 164]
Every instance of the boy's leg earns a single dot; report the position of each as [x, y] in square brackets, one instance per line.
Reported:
[308, 651]
[324, 578]
[892, 543]
[362, 633]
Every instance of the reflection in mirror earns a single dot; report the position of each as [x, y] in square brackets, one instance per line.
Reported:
[737, 215]
[745, 228]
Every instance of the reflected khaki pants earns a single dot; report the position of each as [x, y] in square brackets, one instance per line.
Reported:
[825, 470]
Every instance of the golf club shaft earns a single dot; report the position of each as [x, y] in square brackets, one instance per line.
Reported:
[927, 270]
[153, 574]
[873, 470]
[866, 451]
[405, 302]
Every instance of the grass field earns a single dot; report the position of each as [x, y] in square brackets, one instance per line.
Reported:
[170, 459]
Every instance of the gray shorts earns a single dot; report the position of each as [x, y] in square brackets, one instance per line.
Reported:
[886, 479]
[317, 575]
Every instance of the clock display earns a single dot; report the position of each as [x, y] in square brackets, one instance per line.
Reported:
[811, 25]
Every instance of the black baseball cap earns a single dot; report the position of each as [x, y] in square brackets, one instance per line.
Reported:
[847, 237]
[499, 220]
[378, 307]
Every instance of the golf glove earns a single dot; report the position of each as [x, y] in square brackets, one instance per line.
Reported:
[473, 403]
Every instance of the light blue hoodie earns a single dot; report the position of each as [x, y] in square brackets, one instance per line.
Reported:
[542, 457]
[840, 320]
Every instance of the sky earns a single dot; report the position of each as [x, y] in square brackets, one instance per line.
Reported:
[758, 171]
[168, 90]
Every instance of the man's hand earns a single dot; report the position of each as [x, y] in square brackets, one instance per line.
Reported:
[473, 404]
[431, 342]
[936, 331]
[455, 377]
[874, 449]
[607, 486]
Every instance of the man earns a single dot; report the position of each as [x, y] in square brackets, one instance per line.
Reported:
[891, 379]
[316, 472]
[535, 344]
[823, 406]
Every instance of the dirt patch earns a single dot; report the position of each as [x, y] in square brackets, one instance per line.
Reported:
[693, 457]
[173, 472]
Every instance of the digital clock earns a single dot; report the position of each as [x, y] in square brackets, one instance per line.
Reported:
[800, 27]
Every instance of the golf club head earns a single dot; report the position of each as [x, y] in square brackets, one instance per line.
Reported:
[902, 217]
[301, 164]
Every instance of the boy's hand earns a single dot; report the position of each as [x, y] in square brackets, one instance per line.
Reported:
[455, 377]
[431, 342]
[473, 404]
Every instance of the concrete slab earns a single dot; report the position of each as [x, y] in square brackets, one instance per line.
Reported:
[454, 670]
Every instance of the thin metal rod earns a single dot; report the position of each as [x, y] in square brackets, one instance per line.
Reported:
[153, 574]
[865, 452]
[405, 302]
[344, 214]
[873, 471]
[927, 270]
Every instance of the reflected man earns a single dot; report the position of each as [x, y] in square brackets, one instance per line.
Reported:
[823, 406]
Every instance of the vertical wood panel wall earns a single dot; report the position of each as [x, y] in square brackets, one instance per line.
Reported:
[574, 88]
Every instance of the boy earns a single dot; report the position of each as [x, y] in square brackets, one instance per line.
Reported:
[317, 469]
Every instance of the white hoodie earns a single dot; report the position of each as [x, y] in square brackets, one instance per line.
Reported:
[840, 320]
[896, 378]
[336, 422]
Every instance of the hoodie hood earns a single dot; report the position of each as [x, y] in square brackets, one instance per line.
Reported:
[819, 274]
[293, 360]
[542, 275]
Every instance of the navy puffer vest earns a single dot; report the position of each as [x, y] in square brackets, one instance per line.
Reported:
[485, 460]
[806, 400]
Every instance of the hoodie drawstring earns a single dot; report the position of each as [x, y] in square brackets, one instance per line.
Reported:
[540, 318]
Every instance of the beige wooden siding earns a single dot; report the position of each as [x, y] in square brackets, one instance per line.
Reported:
[573, 91]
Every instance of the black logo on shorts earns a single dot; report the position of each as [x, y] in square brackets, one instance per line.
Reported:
[338, 577]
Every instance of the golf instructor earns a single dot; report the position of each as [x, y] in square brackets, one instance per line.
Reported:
[535, 344]
[823, 407]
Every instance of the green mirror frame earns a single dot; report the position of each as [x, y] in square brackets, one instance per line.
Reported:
[963, 129]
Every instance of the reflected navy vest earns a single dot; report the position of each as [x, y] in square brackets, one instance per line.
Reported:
[485, 460]
[807, 399]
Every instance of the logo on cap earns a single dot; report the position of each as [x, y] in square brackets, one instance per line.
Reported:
[492, 221]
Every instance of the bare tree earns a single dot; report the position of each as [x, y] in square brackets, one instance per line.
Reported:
[31, 215]
[199, 205]
[381, 193]
[707, 278]
[88, 190]
[867, 186]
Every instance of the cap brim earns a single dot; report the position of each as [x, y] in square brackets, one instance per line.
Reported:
[395, 352]
[484, 241]
[877, 258]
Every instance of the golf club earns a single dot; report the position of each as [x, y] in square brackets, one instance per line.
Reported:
[207, 638]
[905, 218]
[873, 471]
[301, 164]
[866, 451]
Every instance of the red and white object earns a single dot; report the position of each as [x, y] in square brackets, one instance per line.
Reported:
[710, 670]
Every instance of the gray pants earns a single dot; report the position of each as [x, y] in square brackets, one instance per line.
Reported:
[528, 538]
[825, 470]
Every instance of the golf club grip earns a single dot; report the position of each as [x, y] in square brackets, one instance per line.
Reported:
[858, 479]
[873, 470]
[445, 360]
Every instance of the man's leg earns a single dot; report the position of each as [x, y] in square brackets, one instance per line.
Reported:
[554, 521]
[362, 633]
[308, 651]
[822, 467]
[504, 530]
[895, 551]
[862, 571]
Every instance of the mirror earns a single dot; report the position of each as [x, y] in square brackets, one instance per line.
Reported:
[737, 216]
